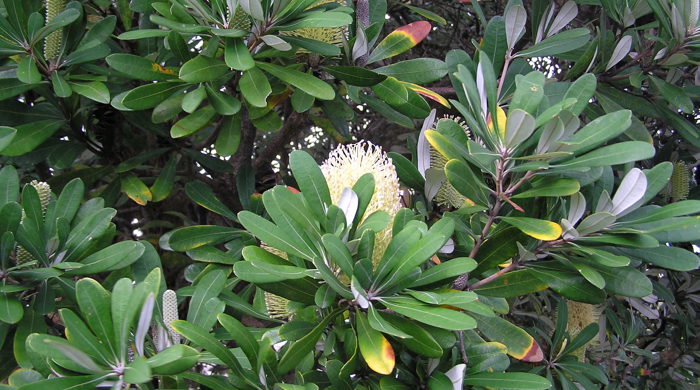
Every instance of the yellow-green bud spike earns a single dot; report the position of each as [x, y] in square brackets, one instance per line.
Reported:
[330, 35]
[44, 191]
[170, 314]
[52, 43]
[240, 20]
[680, 181]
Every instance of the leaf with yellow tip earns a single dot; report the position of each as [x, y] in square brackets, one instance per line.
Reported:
[427, 93]
[500, 122]
[134, 188]
[400, 40]
[374, 347]
[536, 228]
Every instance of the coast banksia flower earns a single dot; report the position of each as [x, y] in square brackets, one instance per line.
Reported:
[680, 181]
[52, 43]
[580, 315]
[44, 192]
[346, 164]
[277, 306]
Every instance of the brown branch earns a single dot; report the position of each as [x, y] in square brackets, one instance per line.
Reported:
[293, 125]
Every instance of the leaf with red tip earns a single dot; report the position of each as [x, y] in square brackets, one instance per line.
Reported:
[374, 347]
[427, 93]
[400, 40]
[519, 343]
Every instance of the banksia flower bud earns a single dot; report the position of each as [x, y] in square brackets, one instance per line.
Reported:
[52, 43]
[447, 195]
[170, 314]
[680, 181]
[580, 315]
[240, 20]
[44, 191]
[346, 164]
[277, 306]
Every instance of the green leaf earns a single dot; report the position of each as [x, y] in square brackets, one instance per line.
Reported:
[241, 335]
[94, 90]
[466, 182]
[675, 95]
[421, 341]
[446, 270]
[551, 187]
[598, 131]
[567, 282]
[116, 256]
[519, 343]
[190, 237]
[11, 310]
[562, 42]
[206, 288]
[401, 98]
[193, 99]
[677, 259]
[6, 136]
[237, 56]
[10, 87]
[60, 86]
[204, 339]
[374, 347]
[31, 135]
[626, 281]
[354, 75]
[173, 360]
[27, 72]
[494, 45]
[143, 34]
[201, 69]
[192, 123]
[487, 356]
[163, 184]
[417, 70]
[311, 182]
[261, 272]
[407, 172]
[306, 82]
[95, 306]
[508, 380]
[380, 324]
[229, 136]
[619, 153]
[314, 19]
[255, 87]
[150, 95]
[139, 68]
[582, 90]
[306, 344]
[436, 316]
[201, 194]
[512, 284]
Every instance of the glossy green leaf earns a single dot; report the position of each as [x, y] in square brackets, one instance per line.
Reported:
[11, 310]
[374, 347]
[436, 316]
[306, 82]
[139, 68]
[27, 71]
[119, 255]
[512, 284]
[135, 189]
[518, 342]
[6, 136]
[201, 69]
[562, 42]
[150, 95]
[551, 188]
[237, 56]
[508, 380]
[619, 153]
[201, 194]
[94, 90]
[192, 123]
[255, 87]
[190, 237]
[306, 344]
[31, 135]
[418, 70]
[354, 75]
[94, 303]
[173, 360]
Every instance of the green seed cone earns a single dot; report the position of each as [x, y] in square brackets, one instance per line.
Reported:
[240, 20]
[44, 192]
[52, 43]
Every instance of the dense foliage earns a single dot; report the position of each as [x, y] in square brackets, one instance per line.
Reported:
[184, 202]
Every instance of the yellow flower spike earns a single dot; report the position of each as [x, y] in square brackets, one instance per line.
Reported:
[500, 120]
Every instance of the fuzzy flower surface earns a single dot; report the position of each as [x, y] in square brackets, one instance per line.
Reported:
[347, 163]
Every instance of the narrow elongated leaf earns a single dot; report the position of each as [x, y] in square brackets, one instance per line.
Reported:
[614, 154]
[241, 335]
[139, 68]
[119, 255]
[560, 43]
[255, 87]
[201, 194]
[95, 303]
[519, 343]
[193, 123]
[512, 284]
[94, 90]
[149, 95]
[190, 237]
[354, 75]
[400, 40]
[303, 346]
[6, 136]
[306, 82]
[30, 135]
[417, 70]
[435, 316]
[551, 188]
[508, 380]
[237, 56]
[135, 189]
[536, 228]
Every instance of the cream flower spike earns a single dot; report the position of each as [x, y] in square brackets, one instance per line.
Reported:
[347, 163]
